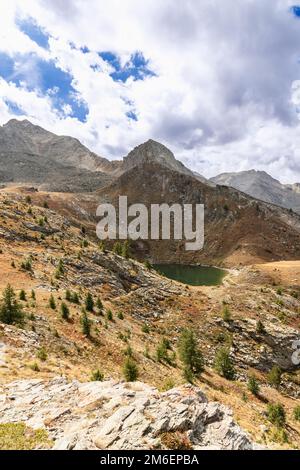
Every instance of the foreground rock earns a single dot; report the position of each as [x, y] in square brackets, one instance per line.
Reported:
[111, 415]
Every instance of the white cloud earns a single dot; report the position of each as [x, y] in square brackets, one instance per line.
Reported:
[222, 96]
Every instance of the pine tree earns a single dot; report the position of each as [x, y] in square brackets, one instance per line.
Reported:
[68, 296]
[65, 312]
[130, 370]
[253, 385]
[22, 295]
[52, 303]
[223, 364]
[86, 324]
[189, 353]
[10, 310]
[89, 302]
[99, 304]
[274, 376]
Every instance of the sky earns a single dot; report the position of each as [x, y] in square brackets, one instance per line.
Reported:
[218, 82]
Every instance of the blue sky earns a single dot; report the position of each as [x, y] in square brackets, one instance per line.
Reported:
[219, 86]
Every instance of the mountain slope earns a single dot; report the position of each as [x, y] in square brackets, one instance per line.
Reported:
[238, 228]
[146, 308]
[262, 186]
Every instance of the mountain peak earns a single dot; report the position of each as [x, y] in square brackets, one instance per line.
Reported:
[152, 151]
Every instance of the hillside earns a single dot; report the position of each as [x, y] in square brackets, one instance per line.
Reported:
[238, 228]
[145, 308]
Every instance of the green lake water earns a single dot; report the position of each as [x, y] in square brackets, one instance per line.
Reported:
[192, 275]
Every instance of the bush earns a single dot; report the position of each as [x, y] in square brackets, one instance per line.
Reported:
[42, 354]
[65, 312]
[274, 376]
[297, 413]
[60, 269]
[120, 316]
[276, 414]
[223, 364]
[10, 310]
[253, 386]
[89, 302]
[130, 370]
[260, 329]
[117, 248]
[33, 294]
[99, 304]
[97, 376]
[86, 324]
[27, 265]
[52, 303]
[75, 298]
[125, 249]
[189, 353]
[145, 328]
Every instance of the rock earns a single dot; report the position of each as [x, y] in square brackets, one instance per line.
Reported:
[124, 416]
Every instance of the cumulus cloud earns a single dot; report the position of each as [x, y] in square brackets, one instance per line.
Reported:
[221, 92]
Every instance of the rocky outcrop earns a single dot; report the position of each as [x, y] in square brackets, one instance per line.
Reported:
[117, 415]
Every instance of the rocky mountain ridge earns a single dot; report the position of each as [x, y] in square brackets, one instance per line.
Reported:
[262, 186]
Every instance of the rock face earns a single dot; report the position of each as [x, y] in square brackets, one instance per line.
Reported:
[262, 186]
[112, 415]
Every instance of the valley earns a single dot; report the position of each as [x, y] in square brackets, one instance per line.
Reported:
[96, 343]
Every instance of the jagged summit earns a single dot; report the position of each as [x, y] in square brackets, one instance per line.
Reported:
[152, 151]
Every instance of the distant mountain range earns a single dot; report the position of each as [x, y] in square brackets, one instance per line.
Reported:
[262, 186]
[239, 229]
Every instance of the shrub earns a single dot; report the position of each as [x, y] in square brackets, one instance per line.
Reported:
[260, 329]
[117, 248]
[175, 440]
[162, 353]
[89, 302]
[86, 324]
[130, 370]
[35, 367]
[223, 364]
[42, 354]
[120, 316]
[276, 414]
[253, 386]
[75, 298]
[27, 265]
[65, 312]
[274, 376]
[148, 265]
[189, 353]
[52, 303]
[60, 269]
[125, 249]
[10, 310]
[33, 294]
[297, 413]
[99, 304]
[22, 295]
[145, 328]
[28, 199]
[97, 376]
